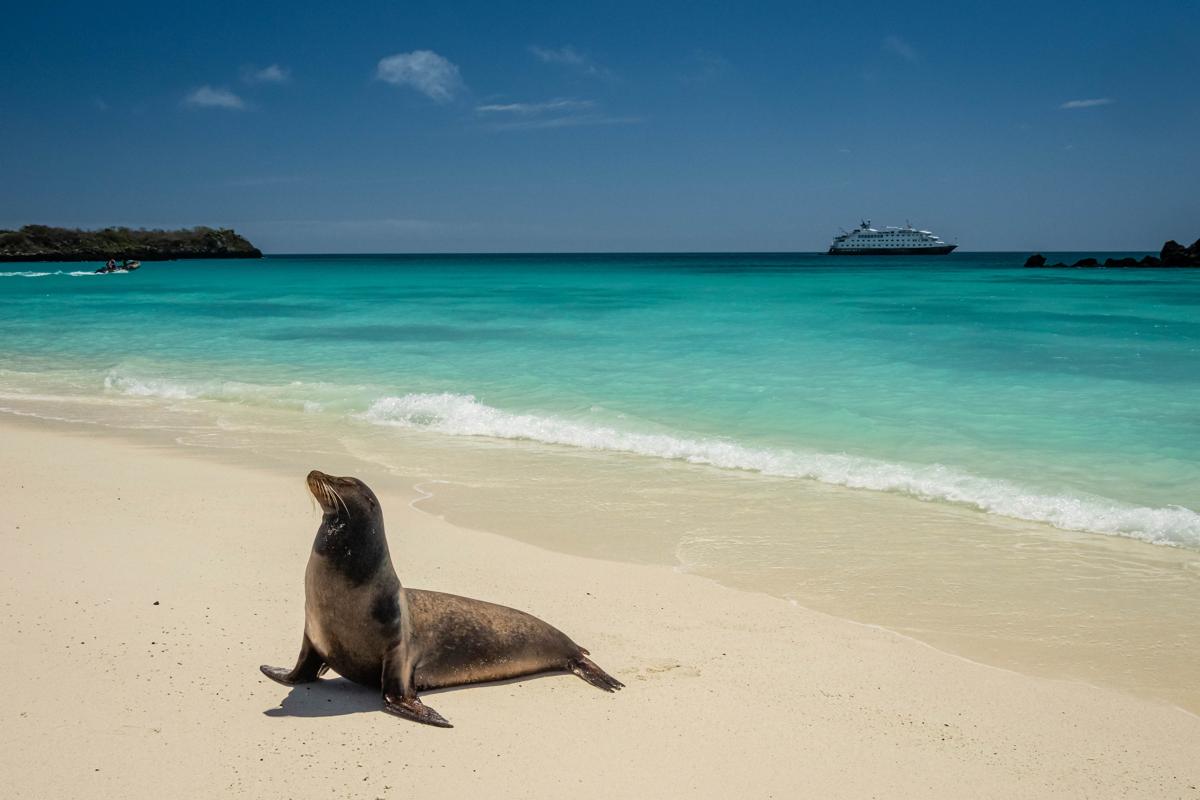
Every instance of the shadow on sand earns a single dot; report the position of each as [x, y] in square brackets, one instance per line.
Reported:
[337, 697]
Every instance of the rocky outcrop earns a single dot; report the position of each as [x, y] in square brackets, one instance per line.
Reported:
[1176, 255]
[44, 243]
[1173, 255]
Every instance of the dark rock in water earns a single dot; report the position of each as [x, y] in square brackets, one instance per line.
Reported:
[1173, 255]
[1176, 255]
[44, 243]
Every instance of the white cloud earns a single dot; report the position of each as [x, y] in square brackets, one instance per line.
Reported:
[569, 56]
[527, 109]
[1088, 103]
[208, 97]
[272, 74]
[423, 70]
[898, 47]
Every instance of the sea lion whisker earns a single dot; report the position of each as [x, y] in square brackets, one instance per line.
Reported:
[340, 499]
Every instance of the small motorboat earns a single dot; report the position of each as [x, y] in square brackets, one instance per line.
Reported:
[124, 266]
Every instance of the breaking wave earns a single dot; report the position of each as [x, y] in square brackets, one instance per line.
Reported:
[463, 415]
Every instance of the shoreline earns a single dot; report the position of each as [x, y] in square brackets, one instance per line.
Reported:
[715, 674]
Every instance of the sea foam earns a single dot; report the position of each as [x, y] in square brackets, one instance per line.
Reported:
[463, 415]
[310, 397]
[151, 387]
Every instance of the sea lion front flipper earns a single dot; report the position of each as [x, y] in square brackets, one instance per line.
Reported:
[399, 696]
[309, 667]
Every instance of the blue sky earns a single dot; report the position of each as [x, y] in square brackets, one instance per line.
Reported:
[430, 127]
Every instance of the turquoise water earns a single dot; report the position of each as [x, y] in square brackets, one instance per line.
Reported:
[1070, 397]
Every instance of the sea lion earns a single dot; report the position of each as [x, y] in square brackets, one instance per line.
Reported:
[360, 622]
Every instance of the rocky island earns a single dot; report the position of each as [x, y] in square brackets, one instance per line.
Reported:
[1173, 254]
[45, 243]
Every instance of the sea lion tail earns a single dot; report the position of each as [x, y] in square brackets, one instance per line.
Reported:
[585, 668]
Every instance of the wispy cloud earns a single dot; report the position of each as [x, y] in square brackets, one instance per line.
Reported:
[424, 70]
[898, 47]
[528, 109]
[569, 56]
[209, 97]
[99, 103]
[561, 112]
[1090, 102]
[562, 55]
[271, 74]
[704, 66]
[573, 121]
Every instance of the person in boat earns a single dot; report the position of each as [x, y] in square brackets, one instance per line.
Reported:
[111, 265]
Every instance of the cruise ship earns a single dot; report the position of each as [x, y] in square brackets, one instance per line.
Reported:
[907, 241]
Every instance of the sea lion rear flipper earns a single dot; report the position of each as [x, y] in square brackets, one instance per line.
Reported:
[412, 708]
[309, 667]
[587, 669]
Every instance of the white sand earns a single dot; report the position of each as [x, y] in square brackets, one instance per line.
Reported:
[729, 694]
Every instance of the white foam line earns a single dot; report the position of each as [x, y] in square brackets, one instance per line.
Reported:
[463, 415]
[419, 487]
[75, 274]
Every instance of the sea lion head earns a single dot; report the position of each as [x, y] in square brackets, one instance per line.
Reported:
[351, 535]
[344, 499]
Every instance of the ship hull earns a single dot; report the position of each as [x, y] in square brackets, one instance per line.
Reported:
[893, 251]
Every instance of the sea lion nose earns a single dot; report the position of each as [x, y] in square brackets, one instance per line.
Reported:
[315, 479]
